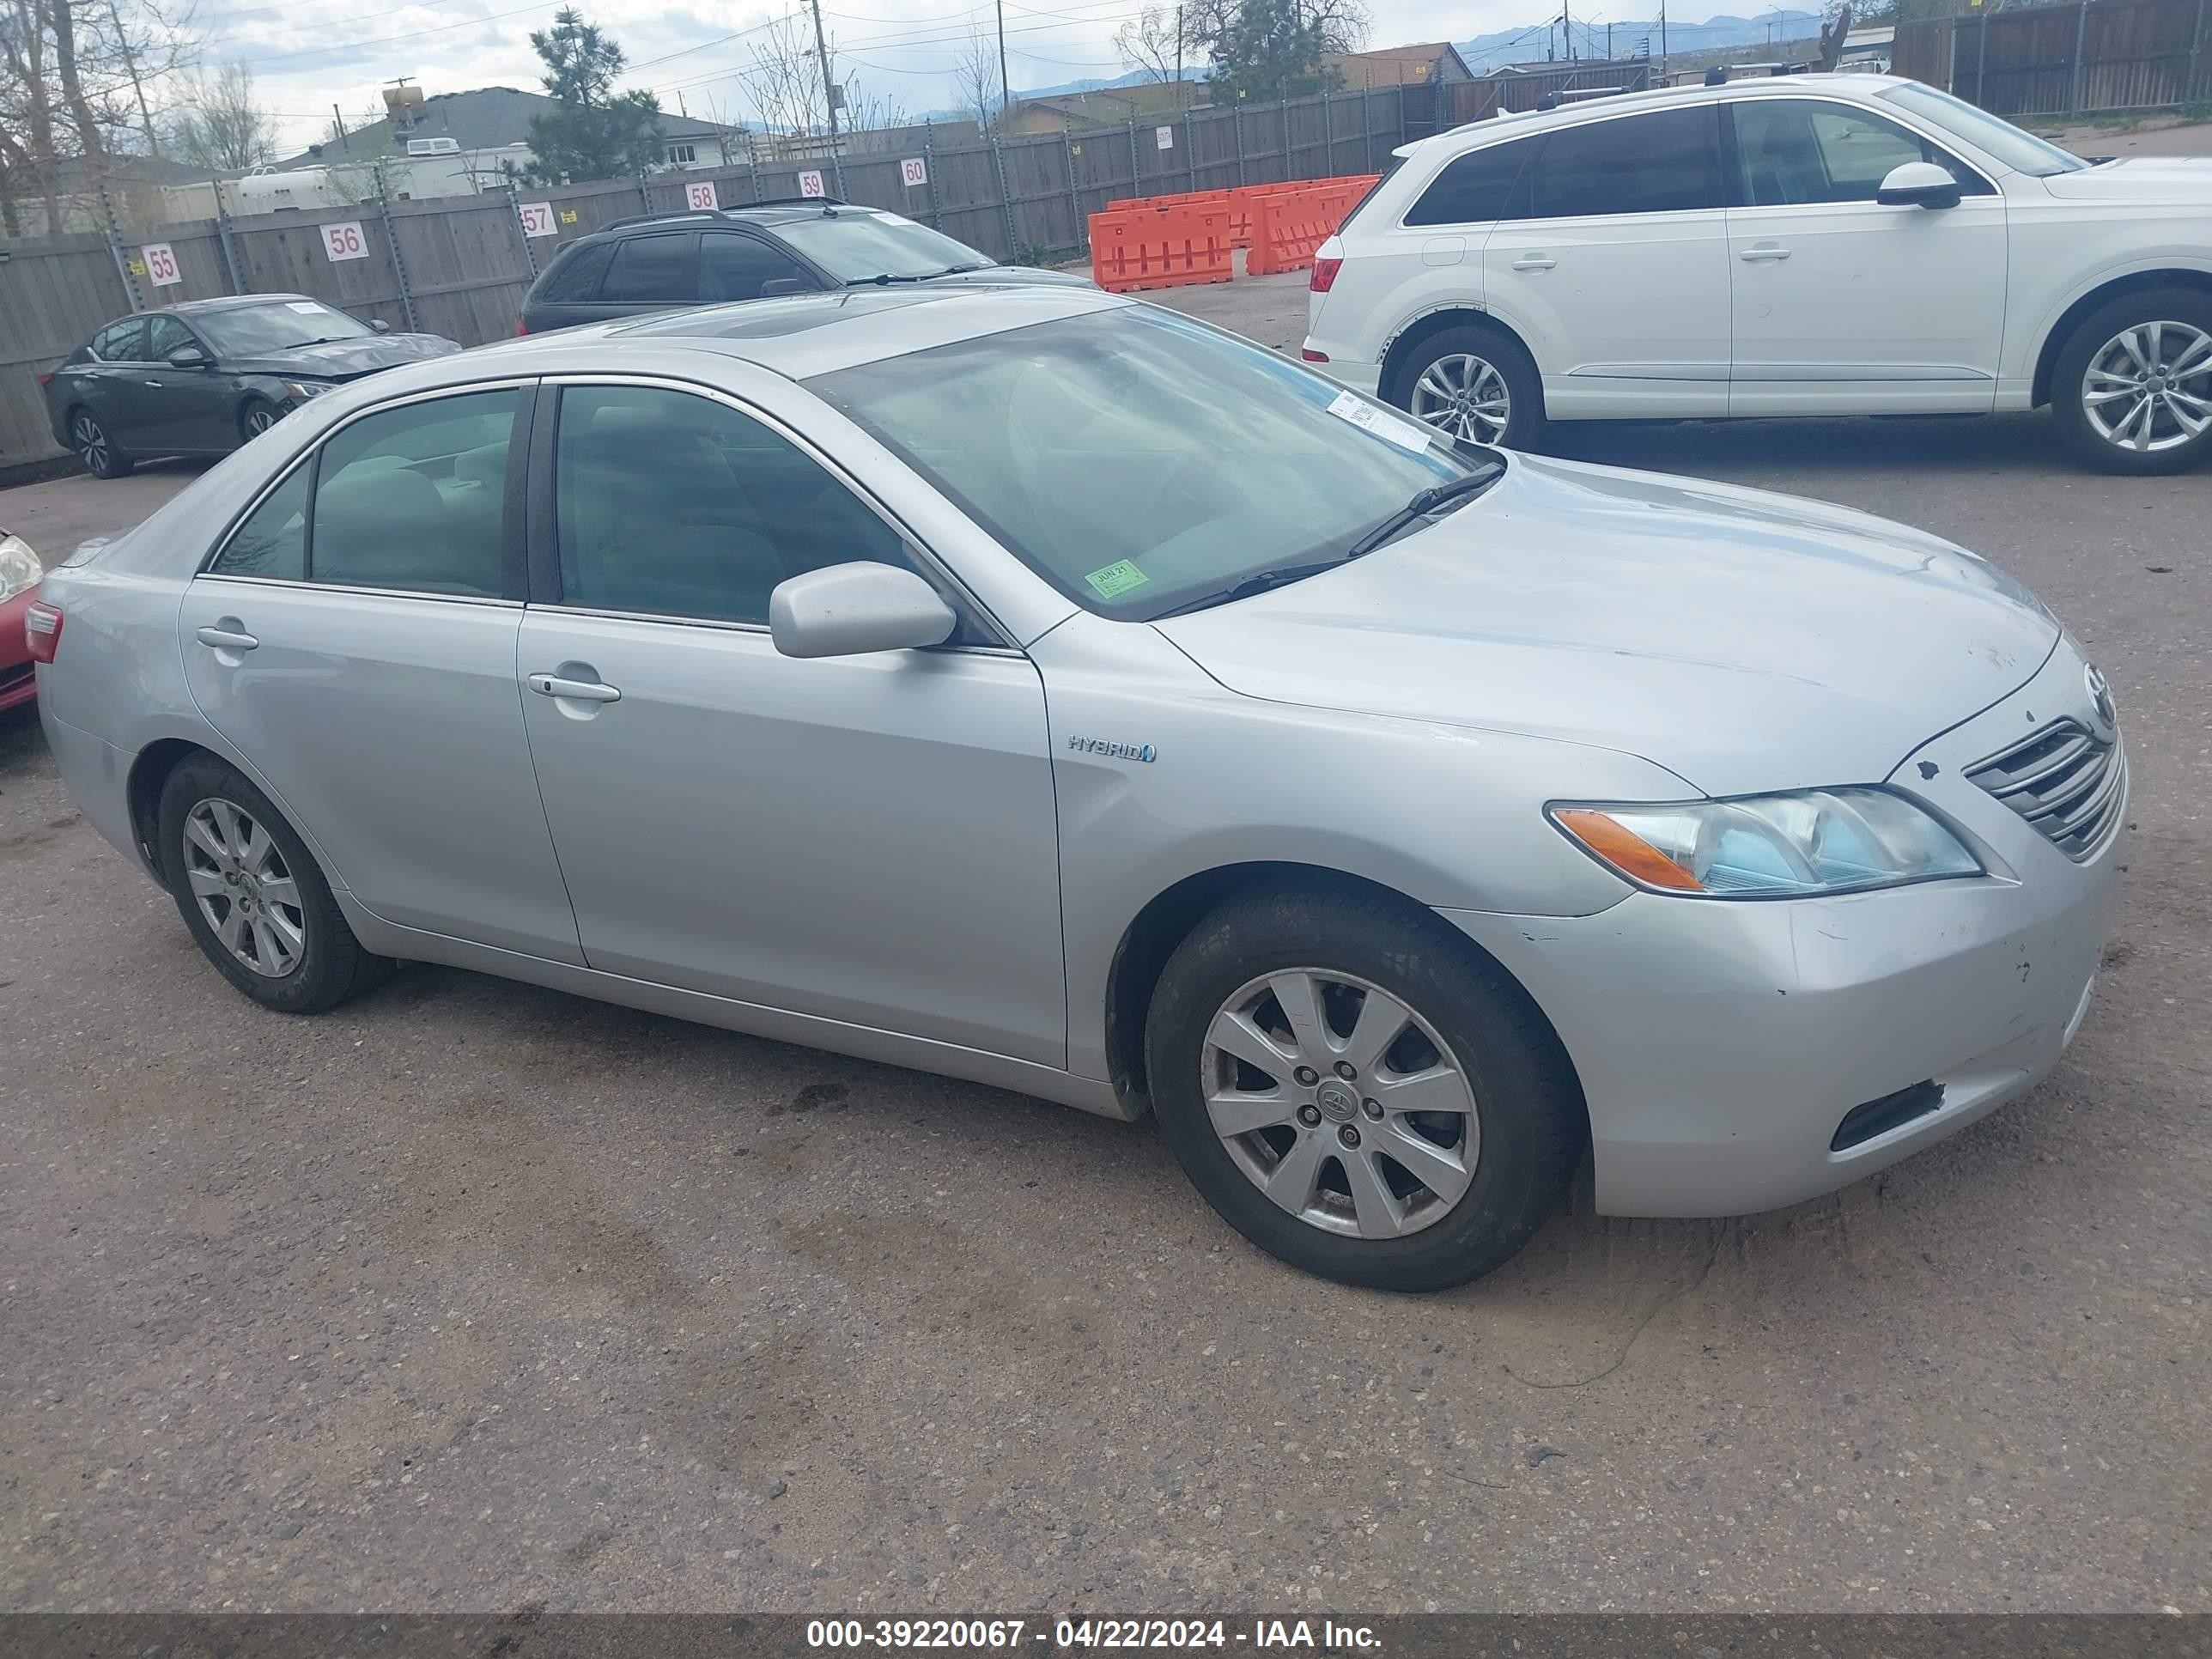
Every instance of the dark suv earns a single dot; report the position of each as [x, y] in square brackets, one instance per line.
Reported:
[804, 246]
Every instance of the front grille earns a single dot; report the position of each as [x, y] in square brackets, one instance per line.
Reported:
[2068, 782]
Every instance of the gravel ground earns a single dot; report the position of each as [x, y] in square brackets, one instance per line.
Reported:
[472, 1296]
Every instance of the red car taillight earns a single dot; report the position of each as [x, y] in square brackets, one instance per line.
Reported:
[1308, 355]
[521, 329]
[42, 631]
[1324, 273]
[46, 380]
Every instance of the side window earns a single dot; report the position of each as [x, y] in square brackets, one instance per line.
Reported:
[652, 270]
[575, 279]
[1668, 162]
[120, 343]
[1476, 188]
[675, 505]
[273, 539]
[1791, 153]
[165, 335]
[734, 267]
[413, 498]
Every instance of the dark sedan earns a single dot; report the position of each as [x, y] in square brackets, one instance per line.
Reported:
[202, 377]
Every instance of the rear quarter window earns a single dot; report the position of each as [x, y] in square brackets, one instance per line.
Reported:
[1474, 188]
[573, 279]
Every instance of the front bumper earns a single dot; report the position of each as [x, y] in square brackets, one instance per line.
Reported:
[1719, 1044]
[18, 684]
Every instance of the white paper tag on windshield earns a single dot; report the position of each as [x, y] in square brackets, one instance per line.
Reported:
[311, 307]
[1406, 435]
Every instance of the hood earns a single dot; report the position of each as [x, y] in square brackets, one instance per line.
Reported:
[2186, 179]
[1014, 277]
[346, 360]
[1744, 641]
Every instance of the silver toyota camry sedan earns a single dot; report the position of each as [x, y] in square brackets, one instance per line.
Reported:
[1041, 688]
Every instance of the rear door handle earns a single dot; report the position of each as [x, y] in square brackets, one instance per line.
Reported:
[1764, 250]
[1535, 262]
[227, 639]
[552, 685]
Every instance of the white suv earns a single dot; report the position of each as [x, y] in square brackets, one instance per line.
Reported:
[1838, 245]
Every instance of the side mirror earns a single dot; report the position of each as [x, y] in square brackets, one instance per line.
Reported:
[1918, 183]
[188, 357]
[850, 610]
[379, 326]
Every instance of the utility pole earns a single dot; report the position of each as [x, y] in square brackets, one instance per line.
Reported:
[1006, 86]
[1662, 42]
[829, 87]
[1178, 51]
[345, 138]
[1567, 29]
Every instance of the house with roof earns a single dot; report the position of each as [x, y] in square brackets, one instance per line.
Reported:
[1106, 106]
[1432, 62]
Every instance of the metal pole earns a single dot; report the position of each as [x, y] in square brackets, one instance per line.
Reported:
[514, 207]
[115, 245]
[929, 166]
[1367, 127]
[752, 163]
[2080, 41]
[1005, 196]
[1327, 139]
[1074, 196]
[1237, 120]
[399, 260]
[1981, 58]
[829, 87]
[1136, 172]
[1189, 149]
[1005, 86]
[644, 192]
[1662, 44]
[1289, 167]
[222, 233]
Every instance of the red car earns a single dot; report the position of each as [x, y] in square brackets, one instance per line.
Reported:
[20, 573]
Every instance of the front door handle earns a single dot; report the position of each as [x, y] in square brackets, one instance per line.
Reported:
[1535, 262]
[552, 685]
[227, 638]
[1764, 250]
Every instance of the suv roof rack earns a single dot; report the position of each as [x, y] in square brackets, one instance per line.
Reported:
[675, 215]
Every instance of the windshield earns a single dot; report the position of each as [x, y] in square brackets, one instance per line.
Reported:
[1139, 460]
[249, 330]
[2023, 152]
[854, 247]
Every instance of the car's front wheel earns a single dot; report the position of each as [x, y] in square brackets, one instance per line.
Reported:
[257, 417]
[1474, 382]
[252, 896]
[95, 446]
[2132, 388]
[1361, 1092]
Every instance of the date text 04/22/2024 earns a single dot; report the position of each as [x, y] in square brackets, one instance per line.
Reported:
[1016, 1635]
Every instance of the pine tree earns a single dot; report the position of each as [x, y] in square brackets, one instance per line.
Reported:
[595, 132]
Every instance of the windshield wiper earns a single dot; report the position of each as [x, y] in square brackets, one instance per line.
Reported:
[1424, 503]
[961, 271]
[881, 277]
[1258, 583]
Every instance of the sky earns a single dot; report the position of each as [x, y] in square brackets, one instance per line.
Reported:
[307, 54]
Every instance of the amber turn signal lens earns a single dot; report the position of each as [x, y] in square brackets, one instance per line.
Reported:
[1624, 850]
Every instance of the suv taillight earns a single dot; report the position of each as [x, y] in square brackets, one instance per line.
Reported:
[1324, 273]
[42, 631]
[521, 329]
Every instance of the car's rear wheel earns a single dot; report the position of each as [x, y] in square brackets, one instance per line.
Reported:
[2132, 388]
[252, 896]
[1475, 383]
[1360, 1091]
[95, 446]
[257, 417]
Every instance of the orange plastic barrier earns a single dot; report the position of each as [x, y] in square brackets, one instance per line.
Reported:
[1239, 204]
[1160, 248]
[1289, 225]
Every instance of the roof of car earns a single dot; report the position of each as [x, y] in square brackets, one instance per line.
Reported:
[804, 334]
[771, 213]
[237, 302]
[1860, 88]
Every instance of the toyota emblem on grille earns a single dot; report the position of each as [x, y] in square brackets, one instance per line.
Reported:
[2100, 699]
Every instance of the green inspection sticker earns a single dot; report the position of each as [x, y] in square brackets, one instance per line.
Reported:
[1117, 579]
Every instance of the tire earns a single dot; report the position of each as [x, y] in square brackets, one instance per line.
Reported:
[327, 964]
[1469, 355]
[95, 446]
[2172, 328]
[1466, 1020]
[255, 416]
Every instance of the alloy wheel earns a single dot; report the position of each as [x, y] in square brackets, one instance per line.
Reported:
[1341, 1103]
[245, 890]
[259, 420]
[91, 443]
[2149, 387]
[1464, 396]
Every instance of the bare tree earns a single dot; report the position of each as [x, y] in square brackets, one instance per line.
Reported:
[1153, 41]
[785, 82]
[975, 77]
[220, 125]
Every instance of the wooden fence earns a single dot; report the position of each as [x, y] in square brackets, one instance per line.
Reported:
[2093, 57]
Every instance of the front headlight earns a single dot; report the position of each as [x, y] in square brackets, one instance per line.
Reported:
[1808, 841]
[19, 567]
[304, 389]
